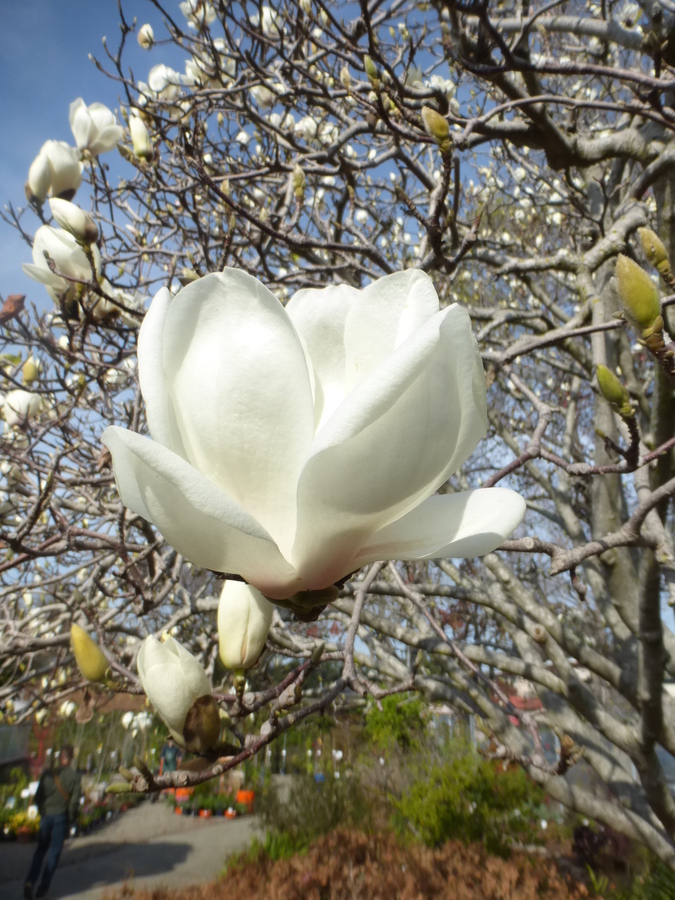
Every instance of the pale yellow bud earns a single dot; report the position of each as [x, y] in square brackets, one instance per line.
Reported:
[30, 370]
[88, 655]
[299, 181]
[436, 126]
[371, 71]
[653, 248]
[345, 77]
[638, 294]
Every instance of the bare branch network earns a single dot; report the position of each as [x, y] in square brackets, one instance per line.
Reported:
[511, 157]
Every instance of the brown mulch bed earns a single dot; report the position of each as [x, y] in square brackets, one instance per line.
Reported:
[345, 865]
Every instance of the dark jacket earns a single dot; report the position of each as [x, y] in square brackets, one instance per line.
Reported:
[49, 799]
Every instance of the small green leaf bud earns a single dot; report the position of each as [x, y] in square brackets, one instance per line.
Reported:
[637, 293]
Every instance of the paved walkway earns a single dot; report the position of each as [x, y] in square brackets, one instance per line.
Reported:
[147, 846]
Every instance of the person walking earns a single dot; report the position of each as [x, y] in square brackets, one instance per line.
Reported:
[58, 799]
[170, 757]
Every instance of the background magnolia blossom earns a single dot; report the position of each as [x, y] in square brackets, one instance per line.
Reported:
[293, 446]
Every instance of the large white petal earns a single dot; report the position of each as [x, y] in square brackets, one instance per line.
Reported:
[466, 524]
[237, 375]
[320, 317]
[81, 123]
[397, 437]
[158, 407]
[194, 516]
[383, 316]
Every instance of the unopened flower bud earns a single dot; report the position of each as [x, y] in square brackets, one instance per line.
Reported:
[31, 370]
[613, 391]
[74, 220]
[173, 681]
[638, 294]
[244, 619]
[299, 182]
[88, 655]
[140, 138]
[653, 246]
[436, 126]
[371, 71]
[39, 179]
[146, 36]
[345, 77]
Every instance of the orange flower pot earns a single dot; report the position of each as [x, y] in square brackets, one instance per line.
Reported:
[230, 813]
[246, 798]
[205, 813]
[178, 810]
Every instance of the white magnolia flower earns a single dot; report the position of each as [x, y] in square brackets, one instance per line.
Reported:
[20, 406]
[140, 137]
[56, 171]
[173, 679]
[68, 257]
[307, 128]
[211, 69]
[263, 96]
[244, 620]
[271, 22]
[146, 36]
[198, 13]
[94, 127]
[74, 220]
[293, 446]
[163, 84]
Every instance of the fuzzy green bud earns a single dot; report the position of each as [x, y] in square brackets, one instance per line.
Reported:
[638, 294]
[299, 182]
[118, 787]
[613, 391]
[436, 126]
[88, 655]
[371, 71]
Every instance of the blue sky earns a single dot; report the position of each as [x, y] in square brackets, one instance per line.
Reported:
[44, 66]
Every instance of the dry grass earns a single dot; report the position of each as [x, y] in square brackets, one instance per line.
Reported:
[346, 865]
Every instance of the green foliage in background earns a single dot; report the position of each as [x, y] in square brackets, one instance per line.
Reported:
[399, 722]
[468, 798]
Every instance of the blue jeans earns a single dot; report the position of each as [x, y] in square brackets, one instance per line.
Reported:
[52, 834]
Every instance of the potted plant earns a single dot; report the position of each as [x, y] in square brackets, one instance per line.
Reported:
[246, 799]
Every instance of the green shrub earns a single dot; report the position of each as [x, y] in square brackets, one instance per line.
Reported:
[469, 798]
[400, 722]
[309, 810]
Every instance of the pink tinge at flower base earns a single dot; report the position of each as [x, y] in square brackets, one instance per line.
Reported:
[291, 446]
